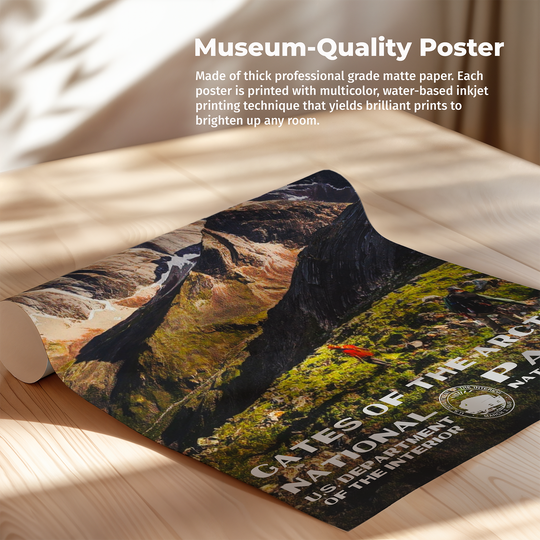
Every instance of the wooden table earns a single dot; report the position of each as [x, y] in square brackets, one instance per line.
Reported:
[68, 470]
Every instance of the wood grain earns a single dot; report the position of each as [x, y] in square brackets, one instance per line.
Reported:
[68, 470]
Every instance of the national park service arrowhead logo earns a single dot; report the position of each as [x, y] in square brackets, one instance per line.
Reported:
[474, 401]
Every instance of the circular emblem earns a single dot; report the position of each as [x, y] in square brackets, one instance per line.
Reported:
[474, 401]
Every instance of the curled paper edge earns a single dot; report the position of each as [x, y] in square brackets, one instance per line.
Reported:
[21, 349]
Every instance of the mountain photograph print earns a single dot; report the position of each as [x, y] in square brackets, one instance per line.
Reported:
[288, 344]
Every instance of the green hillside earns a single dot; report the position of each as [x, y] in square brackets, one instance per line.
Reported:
[413, 332]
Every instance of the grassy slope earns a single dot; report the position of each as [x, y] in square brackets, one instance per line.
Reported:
[329, 385]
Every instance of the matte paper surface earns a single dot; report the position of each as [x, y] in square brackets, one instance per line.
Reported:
[288, 344]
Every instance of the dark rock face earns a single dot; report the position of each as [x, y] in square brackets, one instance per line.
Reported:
[282, 222]
[345, 267]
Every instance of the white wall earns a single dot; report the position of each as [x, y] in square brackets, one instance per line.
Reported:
[83, 76]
